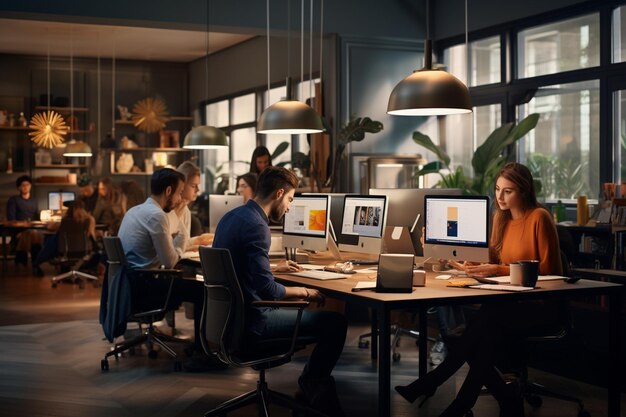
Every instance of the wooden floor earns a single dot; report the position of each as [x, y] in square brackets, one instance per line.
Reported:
[51, 345]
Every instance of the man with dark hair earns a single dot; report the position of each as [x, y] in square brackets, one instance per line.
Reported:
[245, 232]
[87, 192]
[147, 243]
[24, 207]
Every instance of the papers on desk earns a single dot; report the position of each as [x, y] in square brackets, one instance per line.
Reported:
[506, 279]
[364, 285]
[501, 287]
[309, 267]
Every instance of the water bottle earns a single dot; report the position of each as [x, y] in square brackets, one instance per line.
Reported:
[558, 211]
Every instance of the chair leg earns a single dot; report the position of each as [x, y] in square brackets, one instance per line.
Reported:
[135, 341]
[287, 402]
[233, 404]
[541, 390]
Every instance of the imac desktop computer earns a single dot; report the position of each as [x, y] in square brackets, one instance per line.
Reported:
[457, 227]
[305, 225]
[406, 210]
[363, 223]
[220, 205]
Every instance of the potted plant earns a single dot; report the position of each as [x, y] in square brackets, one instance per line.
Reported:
[487, 161]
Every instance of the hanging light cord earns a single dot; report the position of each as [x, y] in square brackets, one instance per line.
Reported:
[206, 61]
[48, 71]
[267, 10]
[71, 82]
[467, 45]
[301, 45]
[99, 120]
[321, 35]
[311, 53]
[113, 91]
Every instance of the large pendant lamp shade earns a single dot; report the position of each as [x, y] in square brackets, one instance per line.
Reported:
[77, 148]
[429, 92]
[205, 137]
[289, 117]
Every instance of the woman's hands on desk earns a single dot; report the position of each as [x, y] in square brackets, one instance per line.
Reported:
[473, 269]
[287, 266]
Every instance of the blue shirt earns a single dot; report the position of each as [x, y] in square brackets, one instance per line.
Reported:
[20, 209]
[245, 232]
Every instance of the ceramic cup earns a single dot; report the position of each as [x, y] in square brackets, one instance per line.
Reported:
[516, 273]
[530, 272]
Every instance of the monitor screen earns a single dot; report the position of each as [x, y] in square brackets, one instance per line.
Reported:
[220, 205]
[363, 222]
[305, 225]
[404, 206]
[57, 198]
[457, 227]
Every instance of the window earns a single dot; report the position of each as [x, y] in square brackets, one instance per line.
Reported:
[485, 57]
[619, 34]
[562, 151]
[243, 109]
[562, 46]
[242, 142]
[217, 114]
[619, 136]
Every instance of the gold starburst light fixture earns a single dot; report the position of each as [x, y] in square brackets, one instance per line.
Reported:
[150, 114]
[48, 129]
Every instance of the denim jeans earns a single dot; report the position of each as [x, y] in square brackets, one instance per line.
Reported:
[328, 328]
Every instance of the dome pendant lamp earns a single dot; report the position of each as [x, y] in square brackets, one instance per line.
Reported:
[428, 91]
[206, 137]
[288, 117]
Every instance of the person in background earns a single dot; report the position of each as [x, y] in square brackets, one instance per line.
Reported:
[23, 207]
[110, 205]
[87, 192]
[148, 243]
[246, 186]
[522, 229]
[245, 232]
[261, 159]
[181, 218]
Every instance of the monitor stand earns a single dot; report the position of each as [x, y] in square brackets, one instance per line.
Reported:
[397, 239]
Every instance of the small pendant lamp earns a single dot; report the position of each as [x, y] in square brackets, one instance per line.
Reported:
[205, 137]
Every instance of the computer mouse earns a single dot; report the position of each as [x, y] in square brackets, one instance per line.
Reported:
[443, 276]
[571, 280]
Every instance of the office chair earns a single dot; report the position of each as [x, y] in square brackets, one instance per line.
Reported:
[223, 334]
[75, 249]
[116, 260]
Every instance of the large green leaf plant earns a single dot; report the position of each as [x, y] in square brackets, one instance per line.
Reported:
[487, 161]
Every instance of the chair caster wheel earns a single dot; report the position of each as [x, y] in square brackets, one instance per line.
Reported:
[178, 366]
[104, 365]
[153, 354]
[396, 357]
[364, 344]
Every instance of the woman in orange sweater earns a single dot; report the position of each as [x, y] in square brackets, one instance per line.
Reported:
[522, 229]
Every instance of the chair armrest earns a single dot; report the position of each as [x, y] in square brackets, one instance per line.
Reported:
[285, 304]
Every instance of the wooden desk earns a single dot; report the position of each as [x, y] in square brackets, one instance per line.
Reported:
[435, 293]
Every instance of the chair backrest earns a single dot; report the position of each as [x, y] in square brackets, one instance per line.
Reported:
[73, 238]
[222, 329]
[116, 259]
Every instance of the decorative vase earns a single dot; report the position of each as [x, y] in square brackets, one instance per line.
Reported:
[124, 163]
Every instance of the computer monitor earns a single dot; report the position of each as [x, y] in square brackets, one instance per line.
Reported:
[336, 210]
[305, 225]
[57, 198]
[404, 206]
[220, 205]
[362, 224]
[457, 227]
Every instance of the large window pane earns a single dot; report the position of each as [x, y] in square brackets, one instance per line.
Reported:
[243, 109]
[217, 114]
[563, 46]
[619, 136]
[272, 142]
[562, 151]
[242, 143]
[485, 58]
[619, 34]
[460, 140]
[275, 94]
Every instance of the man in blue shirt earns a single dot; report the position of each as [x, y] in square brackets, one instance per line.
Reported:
[245, 232]
[24, 207]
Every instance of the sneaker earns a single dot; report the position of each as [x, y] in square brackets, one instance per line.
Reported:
[438, 353]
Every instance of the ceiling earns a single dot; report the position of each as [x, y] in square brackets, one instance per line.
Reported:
[31, 37]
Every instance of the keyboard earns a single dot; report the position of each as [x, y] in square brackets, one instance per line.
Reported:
[364, 261]
[321, 275]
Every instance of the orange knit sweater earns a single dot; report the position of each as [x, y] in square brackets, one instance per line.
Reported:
[531, 237]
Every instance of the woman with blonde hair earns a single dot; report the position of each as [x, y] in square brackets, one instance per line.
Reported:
[522, 229]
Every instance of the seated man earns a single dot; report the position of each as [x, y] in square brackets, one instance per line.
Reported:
[245, 232]
[147, 243]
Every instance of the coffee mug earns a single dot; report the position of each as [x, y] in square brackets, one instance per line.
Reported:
[530, 272]
[515, 273]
